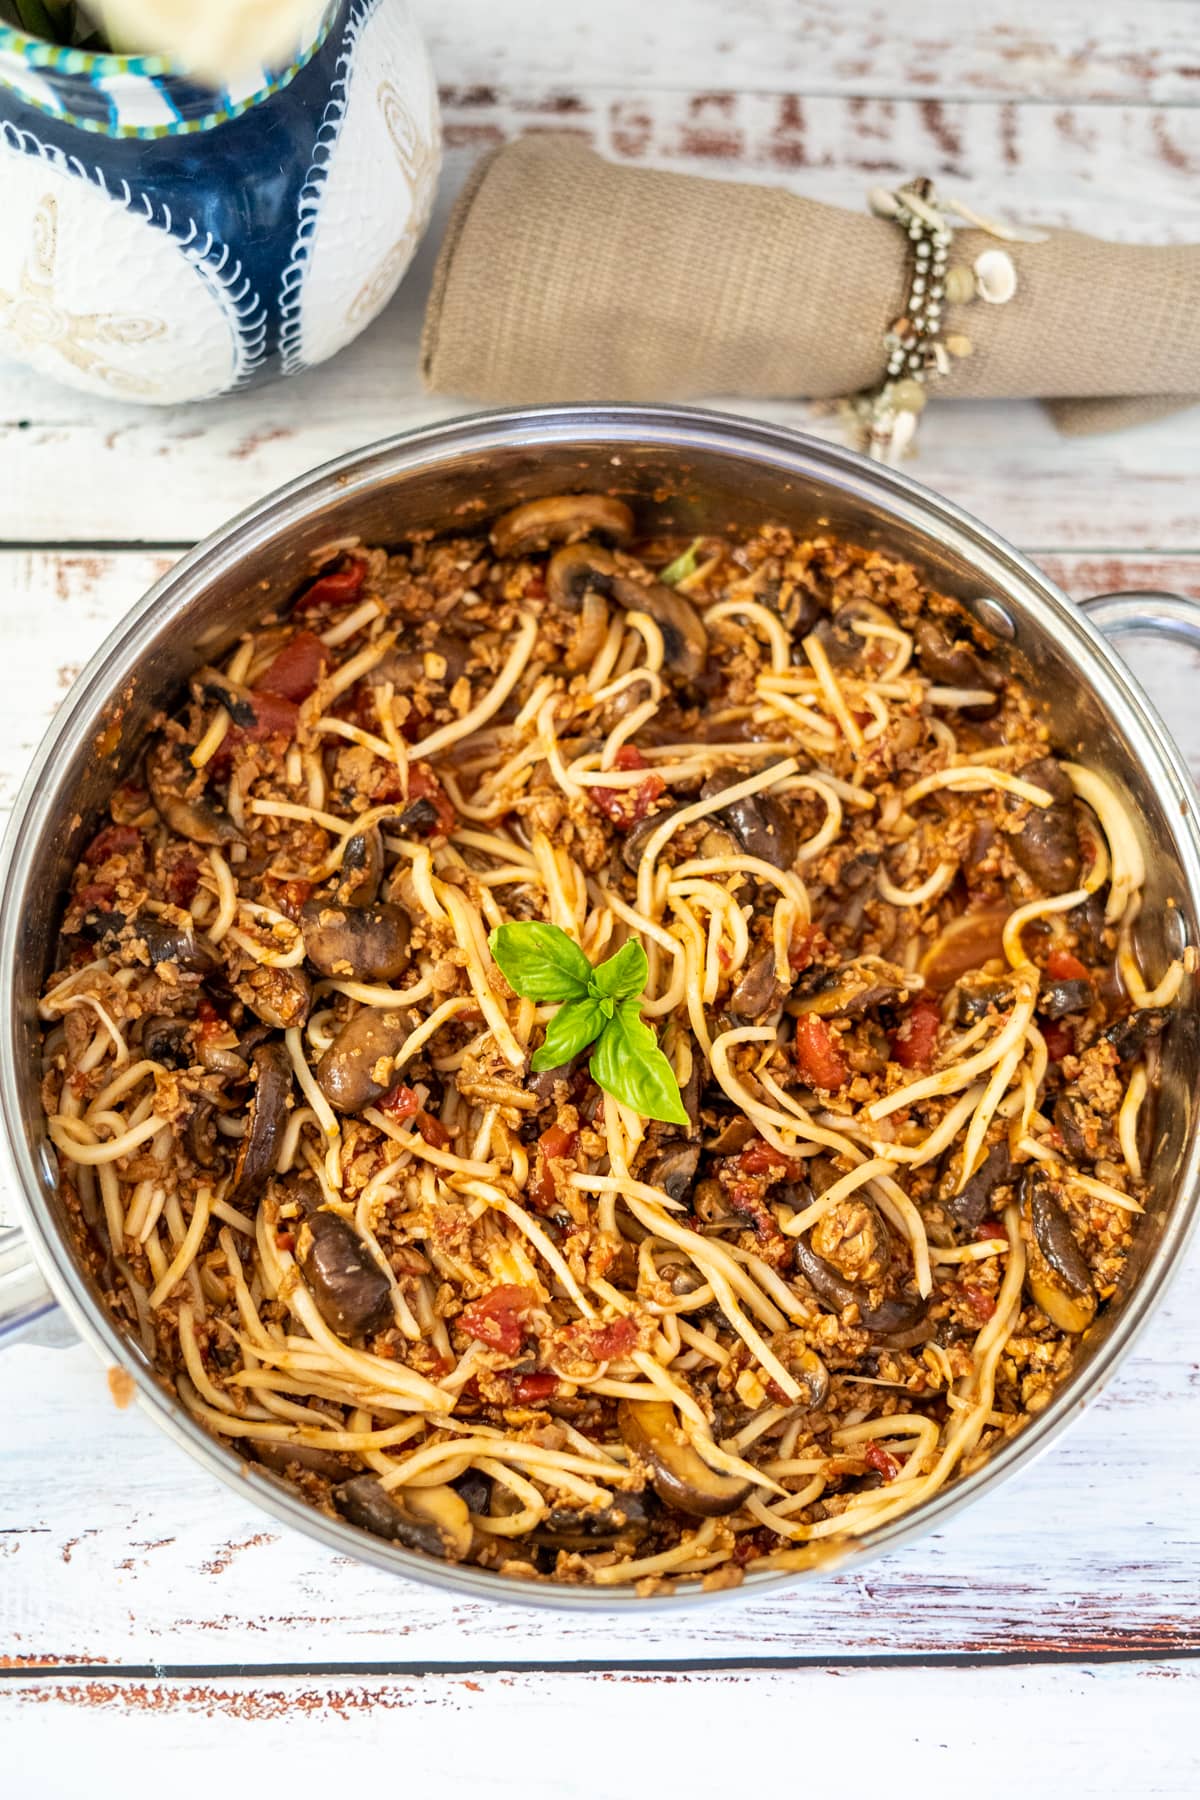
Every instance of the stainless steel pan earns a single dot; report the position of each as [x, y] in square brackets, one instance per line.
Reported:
[693, 470]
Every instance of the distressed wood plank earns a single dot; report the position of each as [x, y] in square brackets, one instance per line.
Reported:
[475, 1736]
[1061, 50]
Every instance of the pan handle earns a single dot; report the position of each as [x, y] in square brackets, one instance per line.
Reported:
[24, 1296]
[1146, 611]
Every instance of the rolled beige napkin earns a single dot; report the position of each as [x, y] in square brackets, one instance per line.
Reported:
[564, 277]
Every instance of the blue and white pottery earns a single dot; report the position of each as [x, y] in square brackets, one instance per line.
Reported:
[160, 241]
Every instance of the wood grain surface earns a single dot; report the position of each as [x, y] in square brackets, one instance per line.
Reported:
[150, 1620]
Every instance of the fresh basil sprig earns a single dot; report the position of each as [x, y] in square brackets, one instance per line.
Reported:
[599, 1007]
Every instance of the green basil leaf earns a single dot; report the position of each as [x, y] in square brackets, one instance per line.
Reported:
[540, 962]
[623, 976]
[570, 1031]
[628, 1064]
[683, 566]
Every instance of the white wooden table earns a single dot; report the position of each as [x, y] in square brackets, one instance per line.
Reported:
[1046, 1639]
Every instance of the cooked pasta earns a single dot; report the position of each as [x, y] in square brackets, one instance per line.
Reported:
[506, 1317]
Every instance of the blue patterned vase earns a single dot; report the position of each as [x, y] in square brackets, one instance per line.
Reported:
[160, 241]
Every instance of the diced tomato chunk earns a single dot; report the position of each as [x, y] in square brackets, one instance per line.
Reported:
[538, 1385]
[1060, 1039]
[605, 1342]
[433, 1131]
[992, 1228]
[496, 1318]
[285, 1240]
[423, 784]
[1062, 966]
[877, 1458]
[535, 587]
[399, 1103]
[808, 942]
[626, 807]
[182, 881]
[273, 717]
[818, 1054]
[114, 840]
[914, 1043]
[761, 1158]
[339, 588]
[981, 1303]
[555, 1144]
[297, 669]
[95, 894]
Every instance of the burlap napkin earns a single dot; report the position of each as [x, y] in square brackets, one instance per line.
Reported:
[563, 277]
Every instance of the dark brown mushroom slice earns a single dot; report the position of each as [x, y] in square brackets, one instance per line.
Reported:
[854, 989]
[1047, 845]
[805, 1367]
[418, 820]
[733, 1136]
[402, 669]
[762, 826]
[285, 1459]
[475, 1490]
[271, 1068]
[279, 998]
[841, 643]
[975, 997]
[968, 1206]
[899, 1322]
[357, 1067]
[362, 868]
[217, 689]
[673, 1168]
[579, 569]
[177, 790]
[955, 663]
[352, 1293]
[536, 524]
[365, 1502]
[1058, 998]
[359, 943]
[757, 990]
[167, 1040]
[1130, 1036]
[200, 1135]
[1057, 1275]
[626, 1517]
[636, 839]
[680, 1476]
[1072, 1128]
[178, 944]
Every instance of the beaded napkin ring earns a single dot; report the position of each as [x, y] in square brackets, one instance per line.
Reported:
[916, 350]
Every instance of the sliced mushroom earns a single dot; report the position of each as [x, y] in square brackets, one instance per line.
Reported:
[673, 1169]
[177, 790]
[362, 867]
[976, 996]
[805, 1367]
[1058, 998]
[1071, 1126]
[626, 1518]
[839, 640]
[636, 839]
[212, 686]
[965, 945]
[1047, 845]
[898, 1323]
[402, 669]
[272, 1072]
[352, 1293]
[366, 1503]
[167, 1040]
[281, 998]
[537, 524]
[733, 1136]
[1129, 1036]
[854, 989]
[475, 1490]
[681, 1478]
[362, 943]
[763, 826]
[582, 568]
[853, 1239]
[287, 1459]
[955, 663]
[357, 1067]
[973, 1198]
[757, 990]
[1056, 1274]
[200, 1135]
[419, 820]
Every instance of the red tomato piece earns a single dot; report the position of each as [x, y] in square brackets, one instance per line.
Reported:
[818, 1054]
[285, 1240]
[981, 1303]
[535, 587]
[182, 882]
[808, 941]
[761, 1158]
[423, 784]
[273, 717]
[914, 1043]
[605, 1342]
[496, 1318]
[95, 893]
[399, 1103]
[433, 1131]
[114, 840]
[991, 1228]
[339, 588]
[555, 1145]
[297, 669]
[626, 807]
[1062, 966]
[536, 1386]
[1060, 1039]
[877, 1458]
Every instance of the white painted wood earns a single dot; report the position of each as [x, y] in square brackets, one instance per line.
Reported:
[466, 1736]
[1049, 50]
